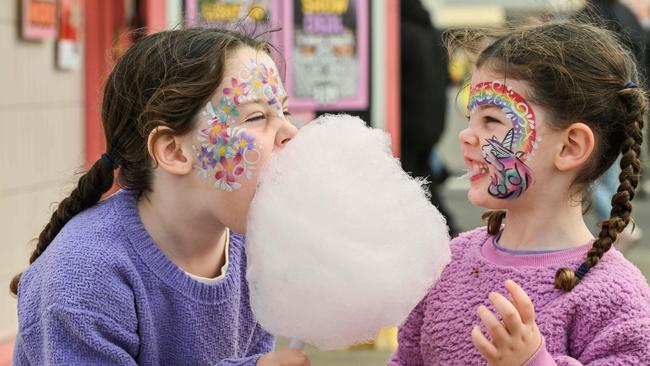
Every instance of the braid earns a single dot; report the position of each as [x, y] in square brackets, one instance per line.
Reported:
[635, 105]
[494, 220]
[90, 188]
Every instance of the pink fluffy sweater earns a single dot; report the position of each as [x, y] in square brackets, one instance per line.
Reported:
[605, 320]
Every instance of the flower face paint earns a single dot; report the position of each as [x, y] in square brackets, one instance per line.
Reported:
[257, 81]
[228, 152]
[511, 175]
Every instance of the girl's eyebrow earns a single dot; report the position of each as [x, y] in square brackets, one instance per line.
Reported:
[283, 99]
[488, 106]
[251, 101]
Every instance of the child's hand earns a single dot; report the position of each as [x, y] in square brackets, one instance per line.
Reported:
[285, 357]
[517, 338]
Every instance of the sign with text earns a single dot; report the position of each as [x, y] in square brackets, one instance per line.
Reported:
[326, 45]
[38, 19]
[68, 47]
[225, 13]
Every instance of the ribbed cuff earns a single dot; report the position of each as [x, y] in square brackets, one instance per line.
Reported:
[541, 357]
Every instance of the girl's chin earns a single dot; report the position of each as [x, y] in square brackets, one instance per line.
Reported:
[481, 198]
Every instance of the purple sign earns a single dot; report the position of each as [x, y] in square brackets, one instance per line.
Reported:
[326, 48]
[224, 13]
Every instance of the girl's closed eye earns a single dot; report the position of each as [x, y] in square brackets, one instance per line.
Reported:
[255, 118]
[489, 119]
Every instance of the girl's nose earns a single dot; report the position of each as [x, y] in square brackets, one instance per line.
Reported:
[285, 133]
[467, 137]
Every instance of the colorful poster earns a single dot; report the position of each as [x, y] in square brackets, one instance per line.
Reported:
[224, 13]
[38, 19]
[326, 46]
[69, 51]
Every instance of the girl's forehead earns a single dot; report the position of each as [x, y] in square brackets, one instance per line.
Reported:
[483, 76]
[245, 60]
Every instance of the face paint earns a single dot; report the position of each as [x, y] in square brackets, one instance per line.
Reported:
[260, 82]
[511, 175]
[228, 152]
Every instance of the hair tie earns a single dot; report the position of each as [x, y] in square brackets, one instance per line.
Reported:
[108, 160]
[582, 270]
[630, 85]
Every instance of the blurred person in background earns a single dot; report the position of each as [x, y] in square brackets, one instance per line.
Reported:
[424, 81]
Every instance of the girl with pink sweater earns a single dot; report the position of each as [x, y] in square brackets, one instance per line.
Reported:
[551, 107]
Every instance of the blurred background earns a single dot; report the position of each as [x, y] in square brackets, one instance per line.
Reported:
[382, 60]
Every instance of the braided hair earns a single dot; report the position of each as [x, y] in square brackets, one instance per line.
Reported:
[579, 72]
[162, 80]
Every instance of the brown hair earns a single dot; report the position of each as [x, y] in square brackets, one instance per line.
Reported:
[577, 72]
[162, 80]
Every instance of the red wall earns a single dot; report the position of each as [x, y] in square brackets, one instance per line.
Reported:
[106, 30]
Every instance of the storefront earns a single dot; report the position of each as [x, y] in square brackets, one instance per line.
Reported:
[341, 56]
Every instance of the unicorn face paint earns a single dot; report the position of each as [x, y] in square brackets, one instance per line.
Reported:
[510, 176]
[228, 151]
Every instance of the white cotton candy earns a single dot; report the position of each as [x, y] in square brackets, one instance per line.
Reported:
[340, 241]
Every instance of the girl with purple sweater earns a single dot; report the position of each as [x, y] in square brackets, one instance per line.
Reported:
[551, 107]
[155, 274]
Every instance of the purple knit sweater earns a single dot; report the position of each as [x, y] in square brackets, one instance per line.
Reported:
[103, 293]
[605, 320]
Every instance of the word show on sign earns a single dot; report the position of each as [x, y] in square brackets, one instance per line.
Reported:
[324, 6]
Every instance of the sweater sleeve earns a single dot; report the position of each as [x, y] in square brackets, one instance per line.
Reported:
[66, 336]
[262, 342]
[617, 344]
[408, 338]
[612, 317]
[620, 342]
[625, 342]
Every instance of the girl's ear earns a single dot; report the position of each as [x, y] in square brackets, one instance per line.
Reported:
[578, 143]
[168, 151]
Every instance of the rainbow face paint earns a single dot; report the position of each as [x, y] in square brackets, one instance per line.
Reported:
[228, 152]
[511, 175]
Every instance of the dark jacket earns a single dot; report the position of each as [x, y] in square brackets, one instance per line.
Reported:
[620, 19]
[423, 87]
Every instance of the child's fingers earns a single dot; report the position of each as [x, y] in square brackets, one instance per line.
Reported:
[482, 344]
[521, 301]
[508, 311]
[494, 327]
